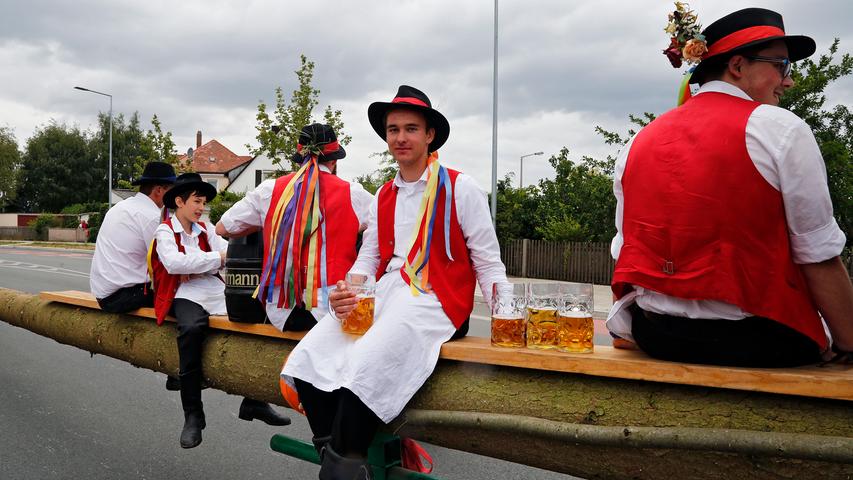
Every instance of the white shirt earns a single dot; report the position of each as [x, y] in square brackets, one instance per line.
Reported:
[203, 287]
[121, 250]
[474, 217]
[786, 154]
[251, 211]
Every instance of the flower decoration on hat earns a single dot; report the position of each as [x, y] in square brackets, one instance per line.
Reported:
[686, 43]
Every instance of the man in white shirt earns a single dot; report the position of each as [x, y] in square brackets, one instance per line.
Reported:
[727, 249]
[427, 262]
[346, 205]
[119, 274]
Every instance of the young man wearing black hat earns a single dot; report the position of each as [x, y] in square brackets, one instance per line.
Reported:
[186, 257]
[344, 207]
[727, 249]
[119, 273]
[426, 260]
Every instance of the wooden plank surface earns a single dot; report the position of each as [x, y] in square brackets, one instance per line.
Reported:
[832, 381]
[219, 322]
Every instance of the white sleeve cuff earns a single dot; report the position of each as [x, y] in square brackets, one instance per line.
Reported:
[818, 245]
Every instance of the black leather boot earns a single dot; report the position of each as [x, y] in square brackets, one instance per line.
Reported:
[252, 409]
[193, 424]
[320, 443]
[336, 467]
[173, 384]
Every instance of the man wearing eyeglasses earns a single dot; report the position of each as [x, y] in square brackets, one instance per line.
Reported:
[727, 249]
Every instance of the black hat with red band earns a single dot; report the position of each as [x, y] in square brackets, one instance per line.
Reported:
[747, 28]
[321, 140]
[410, 98]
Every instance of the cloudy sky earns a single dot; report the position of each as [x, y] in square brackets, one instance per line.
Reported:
[565, 66]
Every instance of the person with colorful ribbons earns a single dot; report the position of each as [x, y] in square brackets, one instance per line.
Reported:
[184, 260]
[727, 249]
[429, 240]
[311, 220]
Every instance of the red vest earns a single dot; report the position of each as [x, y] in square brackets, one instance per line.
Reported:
[341, 226]
[701, 223]
[452, 281]
[166, 284]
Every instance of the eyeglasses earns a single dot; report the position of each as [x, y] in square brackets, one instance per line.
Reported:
[784, 65]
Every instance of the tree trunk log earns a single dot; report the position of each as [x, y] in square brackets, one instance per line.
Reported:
[249, 366]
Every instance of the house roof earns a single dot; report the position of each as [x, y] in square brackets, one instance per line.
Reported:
[213, 157]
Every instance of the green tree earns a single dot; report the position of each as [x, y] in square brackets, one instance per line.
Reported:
[516, 209]
[158, 146]
[577, 205]
[223, 201]
[278, 132]
[58, 168]
[386, 171]
[129, 149]
[10, 161]
[832, 127]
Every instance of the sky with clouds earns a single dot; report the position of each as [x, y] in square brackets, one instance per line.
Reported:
[564, 66]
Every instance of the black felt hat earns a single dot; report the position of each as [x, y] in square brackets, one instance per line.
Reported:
[156, 172]
[414, 99]
[747, 28]
[189, 182]
[320, 138]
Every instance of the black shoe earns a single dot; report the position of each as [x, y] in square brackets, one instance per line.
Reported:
[320, 444]
[336, 467]
[173, 384]
[252, 409]
[191, 434]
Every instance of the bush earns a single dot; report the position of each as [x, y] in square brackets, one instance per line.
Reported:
[95, 220]
[223, 201]
[42, 223]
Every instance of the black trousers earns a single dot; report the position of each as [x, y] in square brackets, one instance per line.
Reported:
[299, 320]
[127, 299]
[192, 330]
[751, 342]
[340, 415]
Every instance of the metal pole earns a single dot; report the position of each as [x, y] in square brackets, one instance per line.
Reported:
[521, 172]
[495, 125]
[110, 167]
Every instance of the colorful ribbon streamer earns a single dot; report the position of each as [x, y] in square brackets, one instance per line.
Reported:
[416, 269]
[297, 222]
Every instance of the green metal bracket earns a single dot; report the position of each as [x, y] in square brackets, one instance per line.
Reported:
[383, 456]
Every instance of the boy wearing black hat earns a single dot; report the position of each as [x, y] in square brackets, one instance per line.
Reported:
[343, 208]
[186, 257]
[727, 249]
[426, 261]
[119, 273]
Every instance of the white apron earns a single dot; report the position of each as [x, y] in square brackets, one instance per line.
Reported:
[387, 365]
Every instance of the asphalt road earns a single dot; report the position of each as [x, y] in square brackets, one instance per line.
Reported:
[69, 415]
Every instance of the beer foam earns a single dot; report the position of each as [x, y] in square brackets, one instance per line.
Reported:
[575, 314]
[508, 316]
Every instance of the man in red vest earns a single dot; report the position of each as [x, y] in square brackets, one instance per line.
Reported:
[344, 208]
[727, 249]
[428, 241]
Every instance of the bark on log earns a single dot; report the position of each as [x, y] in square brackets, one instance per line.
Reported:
[249, 365]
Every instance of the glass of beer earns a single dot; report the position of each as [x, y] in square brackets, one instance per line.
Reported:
[542, 302]
[509, 301]
[360, 319]
[574, 320]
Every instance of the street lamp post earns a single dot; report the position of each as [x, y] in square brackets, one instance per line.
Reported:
[110, 165]
[521, 168]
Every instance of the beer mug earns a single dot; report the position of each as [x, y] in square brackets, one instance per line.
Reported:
[509, 301]
[575, 324]
[542, 302]
[360, 319]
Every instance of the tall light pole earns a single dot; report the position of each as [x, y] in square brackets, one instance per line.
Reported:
[521, 168]
[495, 125]
[110, 165]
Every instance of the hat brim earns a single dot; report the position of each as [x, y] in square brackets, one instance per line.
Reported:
[376, 114]
[799, 47]
[336, 155]
[203, 188]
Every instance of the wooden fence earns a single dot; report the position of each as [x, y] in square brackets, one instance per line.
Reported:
[17, 233]
[568, 261]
